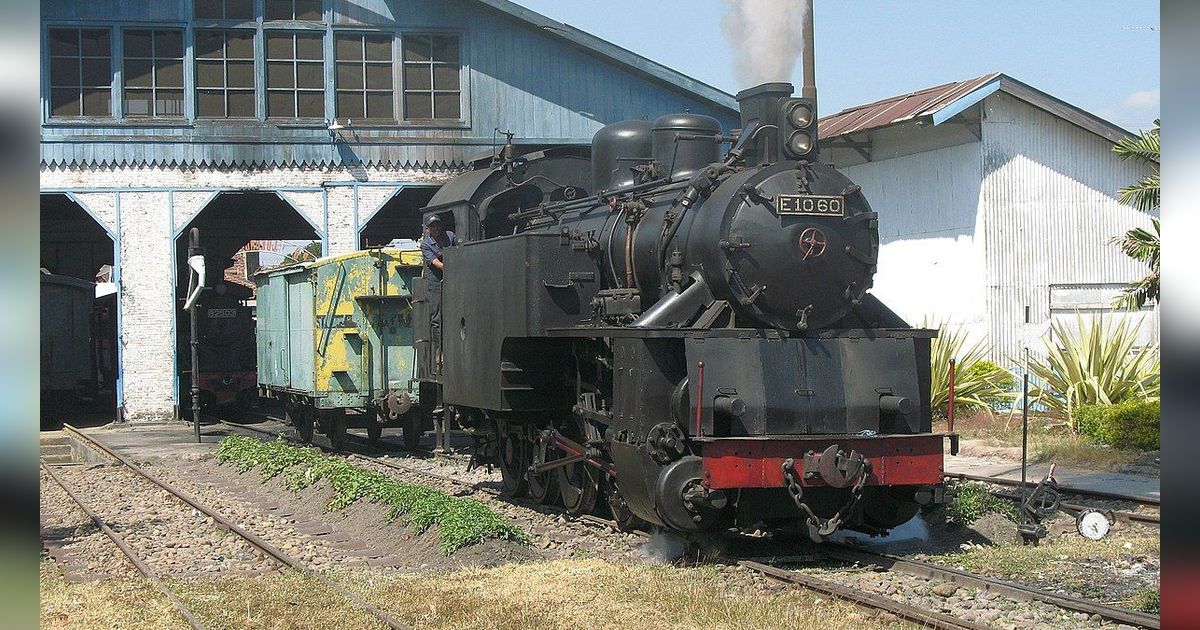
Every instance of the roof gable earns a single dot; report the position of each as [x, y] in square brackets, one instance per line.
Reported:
[941, 103]
[616, 54]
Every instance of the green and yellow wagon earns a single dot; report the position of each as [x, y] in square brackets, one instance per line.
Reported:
[336, 335]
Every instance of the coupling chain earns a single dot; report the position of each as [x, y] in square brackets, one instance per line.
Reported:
[819, 528]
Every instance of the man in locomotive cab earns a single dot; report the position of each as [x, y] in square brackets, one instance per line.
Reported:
[435, 239]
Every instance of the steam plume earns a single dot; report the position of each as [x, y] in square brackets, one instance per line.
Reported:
[766, 38]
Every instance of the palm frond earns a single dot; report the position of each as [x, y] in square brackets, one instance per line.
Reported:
[1144, 195]
[1145, 146]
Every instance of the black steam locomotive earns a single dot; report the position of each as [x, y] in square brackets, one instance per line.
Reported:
[682, 334]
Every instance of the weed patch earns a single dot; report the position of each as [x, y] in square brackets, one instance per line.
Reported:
[971, 500]
[1147, 601]
[459, 521]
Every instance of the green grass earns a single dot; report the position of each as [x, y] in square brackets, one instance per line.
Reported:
[971, 500]
[459, 521]
[1147, 601]
[1069, 561]
[1050, 440]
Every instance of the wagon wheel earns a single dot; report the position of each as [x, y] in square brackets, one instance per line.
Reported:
[336, 428]
[413, 429]
[374, 428]
[579, 483]
[302, 420]
[514, 462]
[543, 487]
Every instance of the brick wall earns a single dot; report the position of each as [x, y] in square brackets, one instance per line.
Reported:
[147, 221]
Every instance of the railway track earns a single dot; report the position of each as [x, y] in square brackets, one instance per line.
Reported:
[1003, 588]
[922, 615]
[1099, 494]
[143, 568]
[250, 538]
[833, 551]
[925, 618]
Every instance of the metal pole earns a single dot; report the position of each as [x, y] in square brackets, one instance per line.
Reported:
[194, 249]
[1024, 433]
[809, 88]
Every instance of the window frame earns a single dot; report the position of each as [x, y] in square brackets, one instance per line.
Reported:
[295, 90]
[362, 123]
[256, 90]
[257, 9]
[463, 71]
[154, 87]
[115, 77]
[268, 20]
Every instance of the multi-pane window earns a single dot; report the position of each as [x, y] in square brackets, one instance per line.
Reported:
[225, 74]
[431, 77]
[153, 72]
[80, 72]
[364, 76]
[294, 10]
[295, 75]
[225, 9]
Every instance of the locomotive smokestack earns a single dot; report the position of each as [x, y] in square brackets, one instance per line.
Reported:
[760, 106]
[809, 89]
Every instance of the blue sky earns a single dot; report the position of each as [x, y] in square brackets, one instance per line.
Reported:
[1095, 54]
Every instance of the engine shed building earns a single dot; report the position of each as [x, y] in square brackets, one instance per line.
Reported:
[326, 120]
[997, 203]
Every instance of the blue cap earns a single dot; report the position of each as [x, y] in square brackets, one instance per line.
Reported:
[433, 218]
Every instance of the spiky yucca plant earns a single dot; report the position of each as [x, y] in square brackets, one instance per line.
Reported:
[1095, 362]
[972, 388]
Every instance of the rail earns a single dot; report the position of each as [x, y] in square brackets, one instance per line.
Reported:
[117, 540]
[904, 611]
[1006, 589]
[253, 539]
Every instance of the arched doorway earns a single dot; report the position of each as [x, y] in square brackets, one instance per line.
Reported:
[80, 366]
[398, 218]
[233, 226]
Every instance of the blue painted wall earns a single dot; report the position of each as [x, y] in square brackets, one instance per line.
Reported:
[530, 79]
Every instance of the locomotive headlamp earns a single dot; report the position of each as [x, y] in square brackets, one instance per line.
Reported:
[800, 143]
[798, 129]
[801, 115]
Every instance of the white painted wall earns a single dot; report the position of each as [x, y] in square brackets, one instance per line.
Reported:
[971, 234]
[1049, 195]
[147, 223]
[930, 261]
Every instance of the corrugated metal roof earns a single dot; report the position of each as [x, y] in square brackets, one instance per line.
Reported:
[942, 102]
[897, 109]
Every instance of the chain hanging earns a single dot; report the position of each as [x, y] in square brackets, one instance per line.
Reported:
[819, 528]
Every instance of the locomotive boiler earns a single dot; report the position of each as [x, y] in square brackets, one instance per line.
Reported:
[678, 330]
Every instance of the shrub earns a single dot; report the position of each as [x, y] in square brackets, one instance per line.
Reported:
[1131, 424]
[1004, 381]
[1096, 362]
[977, 381]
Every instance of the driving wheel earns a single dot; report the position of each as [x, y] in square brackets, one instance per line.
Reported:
[514, 462]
